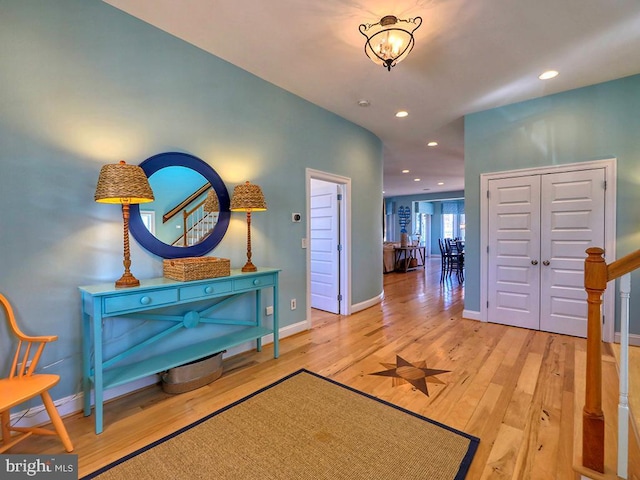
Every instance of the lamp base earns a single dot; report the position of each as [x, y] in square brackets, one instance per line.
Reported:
[127, 280]
[249, 267]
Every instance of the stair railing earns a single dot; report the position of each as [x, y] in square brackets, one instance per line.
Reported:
[196, 225]
[596, 276]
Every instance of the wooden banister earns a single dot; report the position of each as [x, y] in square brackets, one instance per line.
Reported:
[623, 265]
[596, 276]
[183, 204]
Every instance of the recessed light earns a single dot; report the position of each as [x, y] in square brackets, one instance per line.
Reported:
[440, 183]
[405, 171]
[364, 103]
[432, 144]
[402, 113]
[416, 179]
[548, 75]
[426, 189]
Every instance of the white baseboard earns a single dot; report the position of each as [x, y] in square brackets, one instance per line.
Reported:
[634, 339]
[367, 303]
[471, 315]
[74, 403]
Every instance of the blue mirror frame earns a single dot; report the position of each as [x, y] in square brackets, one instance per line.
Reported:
[157, 247]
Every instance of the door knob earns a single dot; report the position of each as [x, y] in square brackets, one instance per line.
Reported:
[534, 262]
[546, 263]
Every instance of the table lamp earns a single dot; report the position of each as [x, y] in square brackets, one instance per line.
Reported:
[248, 197]
[211, 203]
[124, 184]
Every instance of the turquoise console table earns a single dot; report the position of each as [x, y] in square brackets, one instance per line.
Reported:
[150, 301]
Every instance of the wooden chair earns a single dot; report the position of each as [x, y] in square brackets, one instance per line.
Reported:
[22, 384]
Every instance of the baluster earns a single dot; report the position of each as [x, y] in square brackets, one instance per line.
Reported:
[623, 403]
[185, 221]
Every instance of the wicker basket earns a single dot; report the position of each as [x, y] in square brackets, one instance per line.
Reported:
[196, 268]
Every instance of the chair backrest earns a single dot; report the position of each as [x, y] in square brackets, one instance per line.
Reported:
[442, 249]
[447, 248]
[29, 348]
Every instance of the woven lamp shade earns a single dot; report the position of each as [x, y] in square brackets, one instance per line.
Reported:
[211, 203]
[123, 183]
[248, 197]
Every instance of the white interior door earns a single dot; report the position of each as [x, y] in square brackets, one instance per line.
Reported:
[514, 250]
[539, 229]
[325, 234]
[573, 207]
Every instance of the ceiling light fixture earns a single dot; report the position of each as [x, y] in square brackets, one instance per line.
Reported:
[405, 171]
[548, 75]
[364, 103]
[432, 144]
[416, 179]
[440, 183]
[402, 114]
[389, 42]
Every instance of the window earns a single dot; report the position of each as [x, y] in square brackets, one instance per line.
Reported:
[447, 225]
[149, 220]
[453, 220]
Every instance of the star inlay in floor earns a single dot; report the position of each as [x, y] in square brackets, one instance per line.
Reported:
[416, 374]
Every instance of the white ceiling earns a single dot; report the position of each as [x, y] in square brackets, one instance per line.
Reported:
[470, 55]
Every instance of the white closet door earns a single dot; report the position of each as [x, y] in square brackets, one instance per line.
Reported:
[325, 237]
[514, 251]
[572, 220]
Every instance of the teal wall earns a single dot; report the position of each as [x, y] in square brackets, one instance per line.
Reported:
[84, 84]
[591, 123]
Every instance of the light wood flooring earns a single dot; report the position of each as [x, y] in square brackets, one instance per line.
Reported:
[511, 387]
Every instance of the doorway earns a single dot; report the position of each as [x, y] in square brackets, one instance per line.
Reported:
[328, 231]
[537, 227]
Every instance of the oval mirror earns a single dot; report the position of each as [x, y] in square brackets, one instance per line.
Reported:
[181, 221]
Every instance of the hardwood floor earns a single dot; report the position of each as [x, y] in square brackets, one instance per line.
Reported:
[511, 387]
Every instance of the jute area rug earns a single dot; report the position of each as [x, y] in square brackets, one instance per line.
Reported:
[301, 427]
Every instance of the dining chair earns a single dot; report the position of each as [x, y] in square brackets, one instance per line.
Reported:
[23, 384]
[459, 247]
[444, 260]
[452, 259]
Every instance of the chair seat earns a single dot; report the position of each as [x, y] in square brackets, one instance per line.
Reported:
[14, 391]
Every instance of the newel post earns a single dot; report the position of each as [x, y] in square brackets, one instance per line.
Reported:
[595, 283]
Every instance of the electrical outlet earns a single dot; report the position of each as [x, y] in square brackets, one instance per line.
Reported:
[293, 304]
[269, 310]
